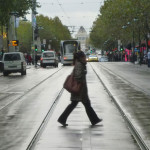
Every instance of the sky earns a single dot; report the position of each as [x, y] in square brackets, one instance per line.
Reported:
[71, 13]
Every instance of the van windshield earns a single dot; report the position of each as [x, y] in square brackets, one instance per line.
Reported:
[12, 57]
[48, 55]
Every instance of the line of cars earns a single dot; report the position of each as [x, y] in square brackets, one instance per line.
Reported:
[13, 62]
[96, 58]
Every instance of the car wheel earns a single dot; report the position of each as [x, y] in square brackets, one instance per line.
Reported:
[5, 73]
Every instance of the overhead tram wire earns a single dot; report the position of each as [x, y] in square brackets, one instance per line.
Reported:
[64, 12]
[72, 3]
[68, 18]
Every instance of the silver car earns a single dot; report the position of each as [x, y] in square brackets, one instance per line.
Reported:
[49, 58]
[103, 59]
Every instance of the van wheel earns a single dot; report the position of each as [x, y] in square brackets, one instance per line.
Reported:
[23, 72]
[5, 73]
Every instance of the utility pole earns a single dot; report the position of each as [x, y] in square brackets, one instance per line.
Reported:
[33, 16]
[11, 31]
[1, 38]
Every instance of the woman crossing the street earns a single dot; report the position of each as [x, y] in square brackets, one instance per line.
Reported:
[79, 73]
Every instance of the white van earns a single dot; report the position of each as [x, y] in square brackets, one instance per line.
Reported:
[13, 62]
[49, 58]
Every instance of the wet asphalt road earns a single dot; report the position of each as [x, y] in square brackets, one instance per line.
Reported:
[111, 134]
[20, 120]
[129, 86]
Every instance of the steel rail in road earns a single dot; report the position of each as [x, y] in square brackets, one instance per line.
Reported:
[134, 85]
[131, 126]
[42, 126]
[10, 103]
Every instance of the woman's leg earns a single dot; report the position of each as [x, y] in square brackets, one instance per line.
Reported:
[91, 113]
[63, 117]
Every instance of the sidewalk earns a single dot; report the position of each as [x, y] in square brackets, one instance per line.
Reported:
[111, 134]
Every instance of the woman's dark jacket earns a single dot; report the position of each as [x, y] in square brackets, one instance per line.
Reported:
[79, 74]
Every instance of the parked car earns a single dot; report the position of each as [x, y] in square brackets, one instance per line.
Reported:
[103, 59]
[1, 66]
[49, 58]
[91, 58]
[13, 62]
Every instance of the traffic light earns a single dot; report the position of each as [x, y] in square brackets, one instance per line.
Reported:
[36, 48]
[42, 48]
[15, 42]
[121, 48]
[2, 52]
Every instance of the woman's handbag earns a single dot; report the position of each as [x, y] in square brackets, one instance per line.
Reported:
[72, 85]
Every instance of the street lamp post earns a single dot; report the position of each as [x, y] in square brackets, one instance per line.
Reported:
[33, 16]
[147, 45]
[12, 31]
[1, 38]
[140, 47]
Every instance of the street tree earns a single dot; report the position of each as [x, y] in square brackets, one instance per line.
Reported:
[24, 33]
[119, 19]
[52, 30]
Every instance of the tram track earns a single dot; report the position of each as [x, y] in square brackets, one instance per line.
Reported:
[43, 124]
[49, 113]
[30, 90]
[130, 83]
[141, 143]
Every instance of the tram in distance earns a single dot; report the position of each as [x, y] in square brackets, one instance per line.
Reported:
[68, 47]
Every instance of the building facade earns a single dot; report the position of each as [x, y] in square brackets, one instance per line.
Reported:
[82, 36]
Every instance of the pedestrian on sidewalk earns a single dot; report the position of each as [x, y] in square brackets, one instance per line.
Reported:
[79, 74]
[148, 57]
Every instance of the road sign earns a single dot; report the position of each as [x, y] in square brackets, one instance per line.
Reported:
[44, 41]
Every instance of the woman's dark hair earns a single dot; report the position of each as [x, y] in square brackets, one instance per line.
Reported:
[78, 55]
